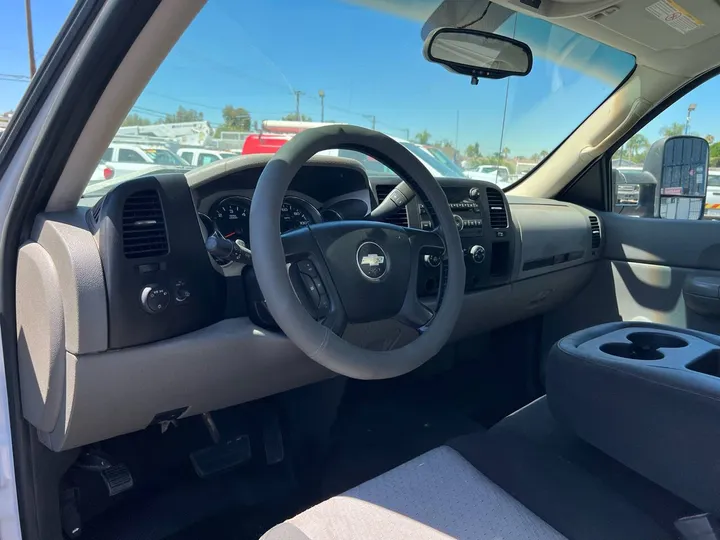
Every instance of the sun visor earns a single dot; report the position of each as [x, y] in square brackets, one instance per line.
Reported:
[663, 24]
[461, 13]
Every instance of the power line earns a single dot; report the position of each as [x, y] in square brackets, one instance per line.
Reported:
[14, 78]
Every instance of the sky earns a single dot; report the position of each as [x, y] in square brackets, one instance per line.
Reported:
[255, 54]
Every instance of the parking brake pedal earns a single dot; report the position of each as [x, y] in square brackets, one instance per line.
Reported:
[223, 455]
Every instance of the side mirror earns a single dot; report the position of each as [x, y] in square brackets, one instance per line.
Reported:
[478, 54]
[680, 166]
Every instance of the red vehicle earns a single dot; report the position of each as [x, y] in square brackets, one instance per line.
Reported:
[264, 143]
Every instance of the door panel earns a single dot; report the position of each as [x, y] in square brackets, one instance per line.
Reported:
[650, 272]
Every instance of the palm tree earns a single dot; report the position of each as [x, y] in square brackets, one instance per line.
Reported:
[423, 137]
[505, 152]
[673, 130]
[637, 144]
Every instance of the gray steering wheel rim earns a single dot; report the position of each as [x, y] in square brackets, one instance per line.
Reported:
[315, 340]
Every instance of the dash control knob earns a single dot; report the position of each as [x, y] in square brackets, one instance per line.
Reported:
[432, 261]
[477, 254]
[475, 193]
[459, 223]
[154, 298]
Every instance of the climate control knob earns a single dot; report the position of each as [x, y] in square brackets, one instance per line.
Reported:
[477, 254]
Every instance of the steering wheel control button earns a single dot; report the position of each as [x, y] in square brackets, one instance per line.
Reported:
[432, 261]
[477, 254]
[372, 261]
[319, 285]
[308, 268]
[311, 289]
[154, 299]
[459, 223]
[324, 305]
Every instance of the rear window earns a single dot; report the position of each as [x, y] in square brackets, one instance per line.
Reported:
[126, 155]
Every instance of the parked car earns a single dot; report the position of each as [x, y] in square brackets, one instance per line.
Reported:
[102, 172]
[197, 157]
[130, 158]
[712, 201]
[497, 174]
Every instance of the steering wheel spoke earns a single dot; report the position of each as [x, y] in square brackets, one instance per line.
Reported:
[311, 280]
[414, 313]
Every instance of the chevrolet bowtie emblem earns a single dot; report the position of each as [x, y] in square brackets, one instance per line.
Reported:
[373, 259]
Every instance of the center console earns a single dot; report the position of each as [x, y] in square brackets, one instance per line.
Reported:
[483, 220]
[647, 395]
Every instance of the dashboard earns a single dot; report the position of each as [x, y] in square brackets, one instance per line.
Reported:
[153, 328]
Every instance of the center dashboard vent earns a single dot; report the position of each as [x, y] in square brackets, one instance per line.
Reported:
[595, 231]
[498, 212]
[143, 226]
[398, 217]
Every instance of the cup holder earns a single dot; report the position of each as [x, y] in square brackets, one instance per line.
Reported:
[644, 346]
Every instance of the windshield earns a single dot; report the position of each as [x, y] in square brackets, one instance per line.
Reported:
[160, 156]
[201, 99]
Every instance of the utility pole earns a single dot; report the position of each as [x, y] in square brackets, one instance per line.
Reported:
[407, 133]
[691, 108]
[31, 44]
[297, 93]
[457, 131]
[321, 93]
[370, 117]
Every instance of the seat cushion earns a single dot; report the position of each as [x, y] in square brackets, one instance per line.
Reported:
[582, 492]
[436, 495]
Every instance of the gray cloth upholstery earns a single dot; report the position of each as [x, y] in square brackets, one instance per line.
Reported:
[435, 496]
[580, 491]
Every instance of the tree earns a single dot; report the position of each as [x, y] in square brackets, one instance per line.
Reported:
[505, 152]
[710, 139]
[543, 154]
[674, 129]
[134, 119]
[637, 147]
[293, 117]
[535, 157]
[182, 115]
[473, 151]
[423, 137]
[235, 119]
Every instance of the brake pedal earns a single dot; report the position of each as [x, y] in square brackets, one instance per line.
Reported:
[273, 441]
[221, 457]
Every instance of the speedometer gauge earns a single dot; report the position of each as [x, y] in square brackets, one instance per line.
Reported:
[295, 214]
[232, 218]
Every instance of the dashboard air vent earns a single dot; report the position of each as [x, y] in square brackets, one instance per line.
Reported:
[498, 213]
[143, 223]
[399, 217]
[595, 230]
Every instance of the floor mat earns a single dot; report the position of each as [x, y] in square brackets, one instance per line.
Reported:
[386, 426]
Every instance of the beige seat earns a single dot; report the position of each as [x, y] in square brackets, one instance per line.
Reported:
[525, 479]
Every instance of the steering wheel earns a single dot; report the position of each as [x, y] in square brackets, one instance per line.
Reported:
[319, 278]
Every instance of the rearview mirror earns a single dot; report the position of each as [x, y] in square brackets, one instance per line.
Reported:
[478, 54]
[680, 165]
